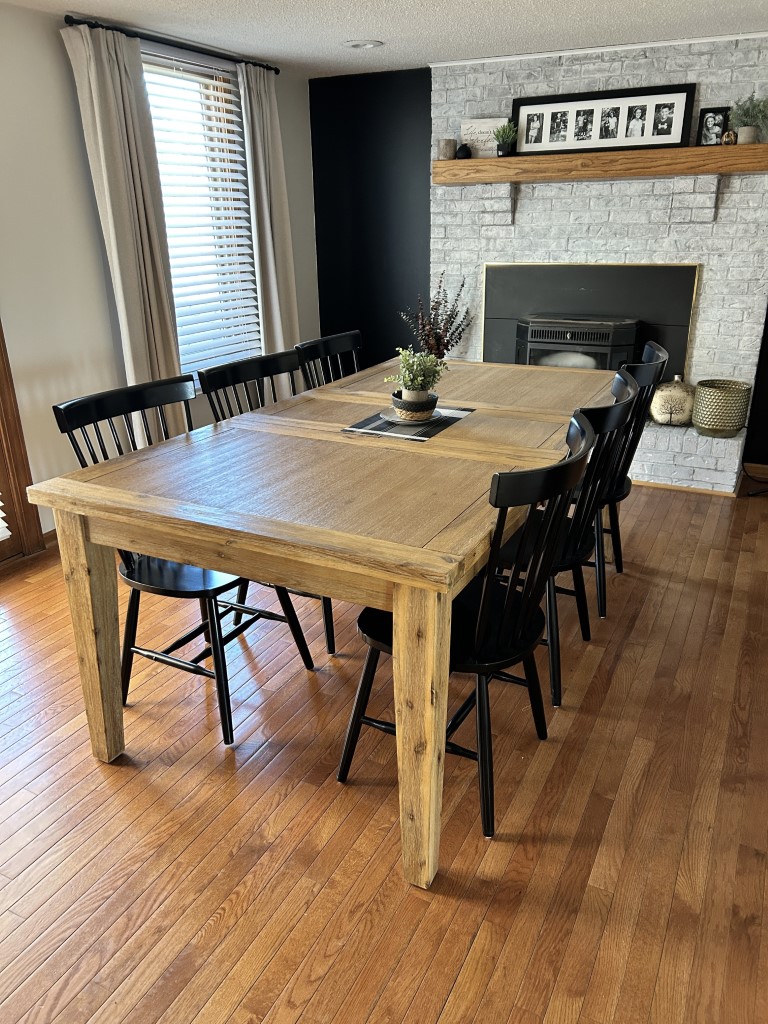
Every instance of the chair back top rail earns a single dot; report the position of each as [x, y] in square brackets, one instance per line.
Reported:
[330, 358]
[248, 384]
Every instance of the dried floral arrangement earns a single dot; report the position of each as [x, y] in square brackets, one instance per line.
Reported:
[441, 327]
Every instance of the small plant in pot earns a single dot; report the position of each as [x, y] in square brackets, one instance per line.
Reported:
[505, 136]
[437, 330]
[418, 374]
[750, 117]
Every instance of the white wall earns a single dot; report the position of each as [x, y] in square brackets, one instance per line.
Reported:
[55, 295]
[55, 301]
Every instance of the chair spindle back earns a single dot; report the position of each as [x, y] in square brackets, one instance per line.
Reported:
[248, 384]
[609, 423]
[547, 494]
[330, 358]
[93, 421]
[648, 374]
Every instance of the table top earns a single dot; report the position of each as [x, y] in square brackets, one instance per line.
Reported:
[264, 493]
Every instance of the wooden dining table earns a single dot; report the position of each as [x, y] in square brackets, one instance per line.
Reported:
[286, 496]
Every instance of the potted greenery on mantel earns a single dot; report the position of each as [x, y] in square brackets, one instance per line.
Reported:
[505, 136]
[437, 329]
[749, 117]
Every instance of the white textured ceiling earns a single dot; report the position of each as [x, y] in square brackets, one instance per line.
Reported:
[307, 35]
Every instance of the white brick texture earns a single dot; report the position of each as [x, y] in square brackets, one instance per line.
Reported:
[681, 220]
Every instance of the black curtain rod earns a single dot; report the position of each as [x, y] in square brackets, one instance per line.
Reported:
[69, 19]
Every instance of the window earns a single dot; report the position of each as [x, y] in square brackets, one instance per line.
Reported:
[198, 130]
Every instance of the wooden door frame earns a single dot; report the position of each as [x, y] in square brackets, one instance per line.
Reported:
[15, 475]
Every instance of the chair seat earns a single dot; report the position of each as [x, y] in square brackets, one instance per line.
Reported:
[175, 579]
[376, 629]
[619, 493]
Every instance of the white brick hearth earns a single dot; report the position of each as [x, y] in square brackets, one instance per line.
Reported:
[680, 220]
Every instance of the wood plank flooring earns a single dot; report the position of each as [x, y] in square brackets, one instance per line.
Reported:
[189, 882]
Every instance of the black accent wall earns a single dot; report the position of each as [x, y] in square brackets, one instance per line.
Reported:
[371, 164]
[756, 447]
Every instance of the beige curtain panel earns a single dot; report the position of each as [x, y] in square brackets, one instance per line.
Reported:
[275, 275]
[121, 152]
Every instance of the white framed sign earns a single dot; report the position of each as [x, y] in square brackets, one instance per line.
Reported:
[478, 135]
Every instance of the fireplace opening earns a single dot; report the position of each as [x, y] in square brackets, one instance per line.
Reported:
[657, 298]
[580, 342]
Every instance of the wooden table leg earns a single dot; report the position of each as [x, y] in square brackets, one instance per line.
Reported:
[422, 629]
[89, 571]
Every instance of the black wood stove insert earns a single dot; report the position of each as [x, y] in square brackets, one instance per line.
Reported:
[597, 303]
[583, 342]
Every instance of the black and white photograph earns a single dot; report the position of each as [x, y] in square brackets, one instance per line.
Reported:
[635, 126]
[582, 128]
[713, 124]
[639, 118]
[663, 118]
[558, 126]
[609, 122]
[533, 126]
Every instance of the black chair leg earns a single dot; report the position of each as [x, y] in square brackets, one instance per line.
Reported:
[485, 755]
[600, 582]
[295, 626]
[358, 710]
[129, 640]
[220, 670]
[613, 519]
[534, 695]
[330, 637]
[553, 643]
[242, 598]
[204, 618]
[581, 602]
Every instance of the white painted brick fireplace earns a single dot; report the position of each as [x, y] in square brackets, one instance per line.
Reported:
[669, 220]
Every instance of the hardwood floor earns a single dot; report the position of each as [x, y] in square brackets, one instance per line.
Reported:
[189, 882]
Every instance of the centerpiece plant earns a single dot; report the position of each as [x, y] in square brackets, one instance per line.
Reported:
[437, 329]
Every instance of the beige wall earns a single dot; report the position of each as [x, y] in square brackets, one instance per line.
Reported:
[55, 295]
[293, 108]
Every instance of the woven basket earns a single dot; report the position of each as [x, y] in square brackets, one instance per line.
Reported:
[720, 407]
[417, 412]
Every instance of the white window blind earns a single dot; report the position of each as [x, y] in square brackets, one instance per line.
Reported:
[198, 130]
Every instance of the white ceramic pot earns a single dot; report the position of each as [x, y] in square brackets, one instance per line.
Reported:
[414, 396]
[747, 134]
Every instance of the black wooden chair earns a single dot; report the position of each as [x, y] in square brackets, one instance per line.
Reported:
[247, 385]
[496, 621]
[576, 543]
[330, 358]
[648, 374]
[104, 425]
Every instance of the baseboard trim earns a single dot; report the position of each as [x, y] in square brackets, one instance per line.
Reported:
[688, 490]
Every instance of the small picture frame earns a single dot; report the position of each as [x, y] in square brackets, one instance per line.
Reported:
[611, 119]
[713, 124]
